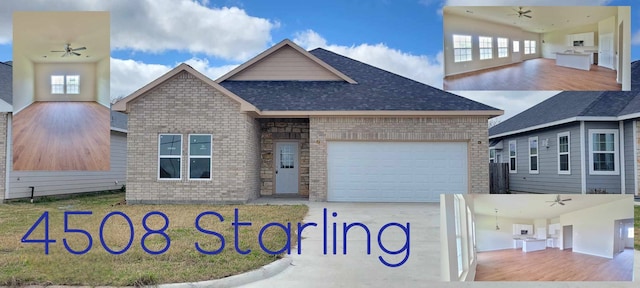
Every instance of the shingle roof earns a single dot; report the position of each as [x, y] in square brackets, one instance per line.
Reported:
[6, 82]
[571, 104]
[119, 120]
[376, 89]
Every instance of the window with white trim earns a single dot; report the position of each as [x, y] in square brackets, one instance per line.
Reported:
[486, 47]
[503, 47]
[529, 47]
[200, 156]
[603, 152]
[564, 153]
[461, 48]
[513, 157]
[516, 46]
[629, 232]
[492, 155]
[169, 156]
[533, 155]
[65, 84]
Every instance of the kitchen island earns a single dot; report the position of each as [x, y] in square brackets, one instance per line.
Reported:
[530, 245]
[576, 60]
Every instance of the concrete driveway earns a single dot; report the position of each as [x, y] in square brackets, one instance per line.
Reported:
[312, 268]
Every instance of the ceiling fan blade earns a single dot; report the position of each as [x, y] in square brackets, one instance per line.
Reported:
[554, 203]
[528, 11]
[78, 49]
[57, 51]
[526, 16]
[568, 199]
[74, 53]
[561, 203]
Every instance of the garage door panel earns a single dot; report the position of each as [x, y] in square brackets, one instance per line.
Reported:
[395, 171]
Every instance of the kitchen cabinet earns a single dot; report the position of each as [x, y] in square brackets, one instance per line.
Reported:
[519, 227]
[517, 243]
[554, 229]
[588, 39]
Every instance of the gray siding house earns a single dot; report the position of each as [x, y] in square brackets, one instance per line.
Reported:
[15, 184]
[574, 142]
[307, 123]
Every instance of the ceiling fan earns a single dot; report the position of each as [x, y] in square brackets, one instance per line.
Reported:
[521, 13]
[558, 200]
[68, 51]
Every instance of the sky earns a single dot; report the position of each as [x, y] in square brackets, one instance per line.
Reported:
[150, 37]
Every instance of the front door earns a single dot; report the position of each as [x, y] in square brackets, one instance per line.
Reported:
[606, 57]
[286, 167]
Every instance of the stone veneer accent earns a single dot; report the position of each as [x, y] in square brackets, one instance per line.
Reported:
[283, 129]
[3, 153]
[471, 129]
[184, 105]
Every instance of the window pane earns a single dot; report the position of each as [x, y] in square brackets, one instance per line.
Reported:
[73, 84]
[170, 145]
[200, 168]
[534, 163]
[169, 168]
[564, 162]
[512, 149]
[512, 164]
[200, 145]
[564, 144]
[603, 162]
[533, 146]
[57, 84]
[516, 46]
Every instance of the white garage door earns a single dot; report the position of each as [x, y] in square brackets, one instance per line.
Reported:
[395, 171]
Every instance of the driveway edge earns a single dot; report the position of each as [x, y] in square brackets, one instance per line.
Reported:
[261, 273]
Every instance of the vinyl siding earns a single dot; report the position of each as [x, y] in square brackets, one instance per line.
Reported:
[547, 180]
[611, 183]
[68, 182]
[286, 64]
[629, 159]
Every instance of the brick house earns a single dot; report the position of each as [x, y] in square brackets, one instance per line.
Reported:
[296, 122]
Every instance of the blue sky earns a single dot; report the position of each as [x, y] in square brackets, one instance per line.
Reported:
[149, 37]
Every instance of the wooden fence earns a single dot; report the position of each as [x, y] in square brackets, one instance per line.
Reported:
[498, 178]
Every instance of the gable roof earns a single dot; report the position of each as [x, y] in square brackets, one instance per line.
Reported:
[570, 106]
[286, 43]
[123, 104]
[376, 90]
[6, 82]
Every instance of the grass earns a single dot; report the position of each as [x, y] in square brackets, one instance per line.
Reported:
[26, 263]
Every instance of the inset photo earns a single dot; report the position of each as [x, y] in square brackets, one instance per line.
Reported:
[61, 102]
[563, 48]
[537, 237]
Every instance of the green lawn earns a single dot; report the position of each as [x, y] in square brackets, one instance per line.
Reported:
[26, 263]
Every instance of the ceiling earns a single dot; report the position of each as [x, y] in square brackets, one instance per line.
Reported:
[544, 18]
[35, 34]
[534, 206]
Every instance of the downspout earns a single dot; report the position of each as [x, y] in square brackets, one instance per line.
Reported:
[8, 156]
[623, 182]
[583, 164]
[635, 127]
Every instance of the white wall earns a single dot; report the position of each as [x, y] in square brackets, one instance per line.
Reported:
[556, 41]
[454, 24]
[103, 82]
[23, 82]
[43, 72]
[489, 239]
[593, 227]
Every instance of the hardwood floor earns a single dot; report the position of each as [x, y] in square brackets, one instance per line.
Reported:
[57, 136]
[552, 265]
[535, 74]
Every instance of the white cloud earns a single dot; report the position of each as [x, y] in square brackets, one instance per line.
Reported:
[635, 40]
[128, 76]
[528, 3]
[213, 72]
[512, 102]
[421, 68]
[159, 25]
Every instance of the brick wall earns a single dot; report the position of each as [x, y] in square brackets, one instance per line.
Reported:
[470, 129]
[183, 105]
[283, 129]
[252, 157]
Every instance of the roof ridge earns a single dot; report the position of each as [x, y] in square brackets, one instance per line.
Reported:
[600, 97]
